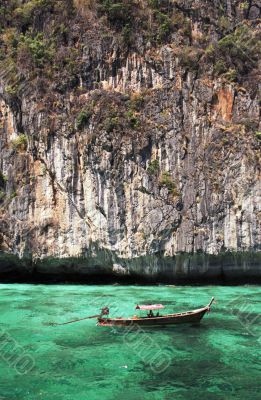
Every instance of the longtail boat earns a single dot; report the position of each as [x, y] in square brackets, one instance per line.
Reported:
[191, 317]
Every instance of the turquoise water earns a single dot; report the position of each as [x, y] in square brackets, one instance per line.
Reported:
[220, 359]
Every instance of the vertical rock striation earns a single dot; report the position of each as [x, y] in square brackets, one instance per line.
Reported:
[150, 166]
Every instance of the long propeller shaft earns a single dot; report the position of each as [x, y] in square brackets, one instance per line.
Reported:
[76, 320]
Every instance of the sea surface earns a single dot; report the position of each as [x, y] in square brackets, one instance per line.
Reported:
[220, 359]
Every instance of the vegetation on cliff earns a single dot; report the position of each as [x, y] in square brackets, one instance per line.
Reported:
[46, 48]
[42, 40]
[113, 111]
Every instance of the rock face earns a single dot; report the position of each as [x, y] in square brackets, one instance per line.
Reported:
[149, 167]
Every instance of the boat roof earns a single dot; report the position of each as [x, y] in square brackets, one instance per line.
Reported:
[149, 307]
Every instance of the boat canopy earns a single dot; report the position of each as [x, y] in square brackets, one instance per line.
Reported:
[149, 307]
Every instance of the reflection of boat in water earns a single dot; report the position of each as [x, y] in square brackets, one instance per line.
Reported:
[150, 319]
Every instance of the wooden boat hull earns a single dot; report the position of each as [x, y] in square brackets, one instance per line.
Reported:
[189, 317]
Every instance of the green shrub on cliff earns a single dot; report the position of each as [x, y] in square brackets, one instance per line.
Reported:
[189, 57]
[164, 30]
[234, 54]
[153, 167]
[136, 101]
[40, 49]
[127, 34]
[111, 123]
[131, 18]
[244, 5]
[118, 13]
[210, 50]
[258, 135]
[13, 195]
[24, 13]
[220, 67]
[2, 195]
[82, 119]
[167, 181]
[132, 119]
[240, 46]
[11, 90]
[20, 143]
[154, 4]
[3, 179]
[231, 75]
[224, 23]
[165, 26]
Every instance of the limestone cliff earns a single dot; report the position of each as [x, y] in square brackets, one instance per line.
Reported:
[130, 145]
